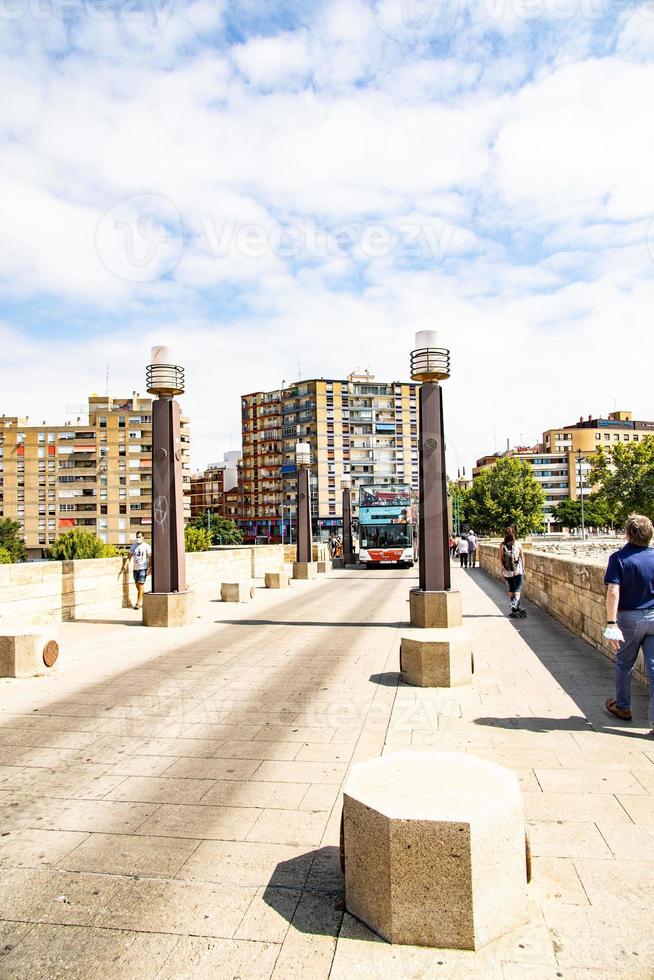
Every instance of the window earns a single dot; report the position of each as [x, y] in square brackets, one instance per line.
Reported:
[598, 436]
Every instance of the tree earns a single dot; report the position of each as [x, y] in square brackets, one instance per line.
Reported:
[623, 476]
[567, 513]
[597, 512]
[78, 544]
[10, 539]
[5, 557]
[197, 539]
[504, 495]
[221, 529]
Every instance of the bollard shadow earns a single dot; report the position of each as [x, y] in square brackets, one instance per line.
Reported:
[392, 678]
[309, 892]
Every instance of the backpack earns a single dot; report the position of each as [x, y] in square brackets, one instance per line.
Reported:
[510, 560]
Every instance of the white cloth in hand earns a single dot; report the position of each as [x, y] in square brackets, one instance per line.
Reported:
[613, 633]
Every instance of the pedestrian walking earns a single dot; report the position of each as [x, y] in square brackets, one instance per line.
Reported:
[141, 553]
[472, 548]
[455, 545]
[462, 551]
[512, 567]
[629, 583]
[451, 544]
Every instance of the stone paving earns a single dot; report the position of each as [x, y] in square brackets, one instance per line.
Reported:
[170, 800]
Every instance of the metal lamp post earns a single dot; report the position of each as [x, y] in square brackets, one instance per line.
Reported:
[580, 457]
[346, 487]
[165, 379]
[304, 540]
[430, 364]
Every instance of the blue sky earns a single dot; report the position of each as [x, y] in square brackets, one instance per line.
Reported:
[262, 184]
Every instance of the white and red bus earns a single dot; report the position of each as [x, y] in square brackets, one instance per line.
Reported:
[387, 525]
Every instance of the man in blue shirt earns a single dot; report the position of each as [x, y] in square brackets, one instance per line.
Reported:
[630, 613]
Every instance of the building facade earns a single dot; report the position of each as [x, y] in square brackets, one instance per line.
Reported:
[561, 462]
[209, 489]
[357, 425]
[95, 475]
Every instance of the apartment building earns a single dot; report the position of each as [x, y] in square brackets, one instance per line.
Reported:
[95, 473]
[356, 425]
[209, 489]
[556, 463]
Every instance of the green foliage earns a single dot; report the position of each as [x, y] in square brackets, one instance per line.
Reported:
[567, 513]
[11, 541]
[597, 512]
[5, 557]
[78, 544]
[623, 476]
[222, 530]
[197, 539]
[504, 495]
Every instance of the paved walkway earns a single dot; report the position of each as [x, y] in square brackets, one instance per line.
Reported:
[169, 803]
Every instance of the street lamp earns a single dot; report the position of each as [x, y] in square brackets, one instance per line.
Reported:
[304, 541]
[430, 364]
[580, 458]
[165, 379]
[346, 487]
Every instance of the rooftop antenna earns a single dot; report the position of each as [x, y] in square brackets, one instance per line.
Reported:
[107, 381]
[299, 371]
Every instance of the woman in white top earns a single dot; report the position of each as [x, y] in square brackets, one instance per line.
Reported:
[462, 551]
[512, 566]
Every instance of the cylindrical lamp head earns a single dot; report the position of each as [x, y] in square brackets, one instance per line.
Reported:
[303, 454]
[346, 481]
[163, 376]
[429, 361]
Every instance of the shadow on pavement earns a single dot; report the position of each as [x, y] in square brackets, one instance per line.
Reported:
[392, 678]
[585, 674]
[109, 622]
[312, 902]
[297, 622]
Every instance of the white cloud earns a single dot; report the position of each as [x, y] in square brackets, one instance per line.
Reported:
[269, 61]
[539, 192]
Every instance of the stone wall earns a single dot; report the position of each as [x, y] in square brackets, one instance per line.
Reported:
[45, 592]
[569, 589]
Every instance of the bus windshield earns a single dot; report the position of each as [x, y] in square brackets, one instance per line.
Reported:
[386, 536]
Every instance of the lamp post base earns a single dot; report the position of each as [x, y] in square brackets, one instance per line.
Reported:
[168, 608]
[435, 610]
[305, 570]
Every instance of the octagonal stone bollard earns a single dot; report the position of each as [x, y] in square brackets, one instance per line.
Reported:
[434, 849]
[237, 591]
[27, 651]
[277, 580]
